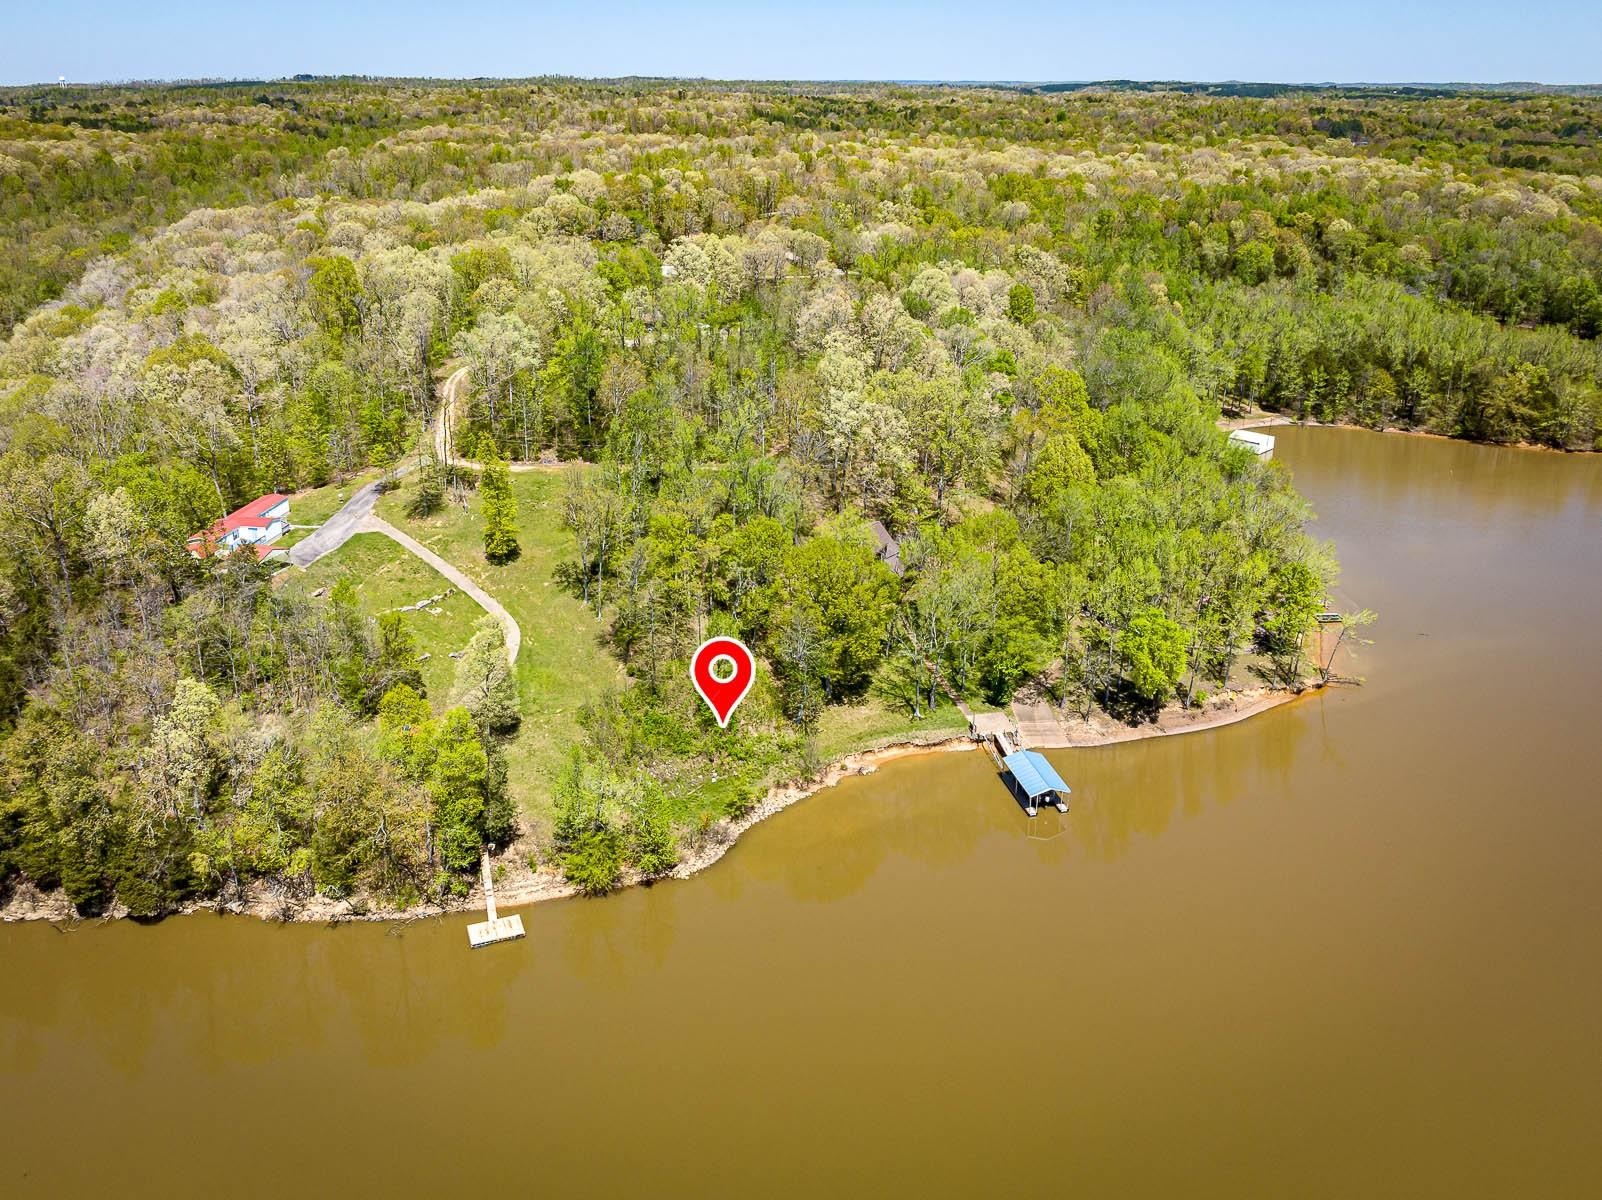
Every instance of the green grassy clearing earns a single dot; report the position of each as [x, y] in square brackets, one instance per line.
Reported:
[388, 576]
[563, 665]
[845, 728]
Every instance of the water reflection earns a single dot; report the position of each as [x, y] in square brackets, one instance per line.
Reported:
[1436, 481]
[222, 990]
[941, 810]
[609, 941]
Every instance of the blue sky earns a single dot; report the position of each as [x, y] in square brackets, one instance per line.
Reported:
[1287, 41]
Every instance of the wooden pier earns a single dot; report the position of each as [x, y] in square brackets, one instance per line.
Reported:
[497, 928]
[1000, 745]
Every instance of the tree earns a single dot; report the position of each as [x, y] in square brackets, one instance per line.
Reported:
[748, 556]
[271, 831]
[395, 662]
[456, 782]
[185, 754]
[832, 602]
[42, 508]
[1350, 623]
[499, 349]
[1295, 596]
[336, 295]
[1152, 648]
[956, 426]
[1022, 628]
[595, 514]
[1021, 304]
[407, 732]
[1254, 262]
[594, 864]
[429, 496]
[498, 505]
[369, 829]
[587, 842]
[154, 863]
[484, 684]
[797, 646]
[58, 826]
[1060, 467]
[340, 846]
[652, 848]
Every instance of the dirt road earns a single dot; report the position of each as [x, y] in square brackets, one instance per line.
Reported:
[357, 516]
[445, 449]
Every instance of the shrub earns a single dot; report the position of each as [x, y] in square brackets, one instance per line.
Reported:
[429, 497]
[653, 850]
[595, 863]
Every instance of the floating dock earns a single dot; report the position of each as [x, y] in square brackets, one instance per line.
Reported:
[497, 928]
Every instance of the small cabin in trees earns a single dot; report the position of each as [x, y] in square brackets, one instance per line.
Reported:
[887, 548]
[256, 527]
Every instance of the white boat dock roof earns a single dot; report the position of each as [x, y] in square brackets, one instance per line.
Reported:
[1259, 443]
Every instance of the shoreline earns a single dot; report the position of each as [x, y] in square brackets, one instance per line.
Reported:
[1272, 420]
[1102, 730]
[519, 885]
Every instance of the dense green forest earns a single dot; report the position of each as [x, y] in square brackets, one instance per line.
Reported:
[767, 322]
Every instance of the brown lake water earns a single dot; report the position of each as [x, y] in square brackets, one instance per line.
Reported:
[1352, 947]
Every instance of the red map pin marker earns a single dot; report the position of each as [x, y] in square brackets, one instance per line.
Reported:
[722, 696]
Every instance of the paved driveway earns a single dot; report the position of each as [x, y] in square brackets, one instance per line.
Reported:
[337, 530]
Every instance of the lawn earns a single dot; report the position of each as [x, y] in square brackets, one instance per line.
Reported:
[844, 728]
[386, 578]
[563, 664]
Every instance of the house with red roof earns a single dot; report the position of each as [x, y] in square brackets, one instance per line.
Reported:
[255, 527]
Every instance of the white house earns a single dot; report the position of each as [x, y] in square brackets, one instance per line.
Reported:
[1260, 444]
[258, 525]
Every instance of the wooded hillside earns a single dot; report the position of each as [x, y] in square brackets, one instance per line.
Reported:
[999, 327]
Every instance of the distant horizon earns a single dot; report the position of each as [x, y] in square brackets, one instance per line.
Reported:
[1471, 42]
[1093, 81]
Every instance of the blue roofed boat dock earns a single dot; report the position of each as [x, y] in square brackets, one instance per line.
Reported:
[1033, 781]
[1037, 781]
